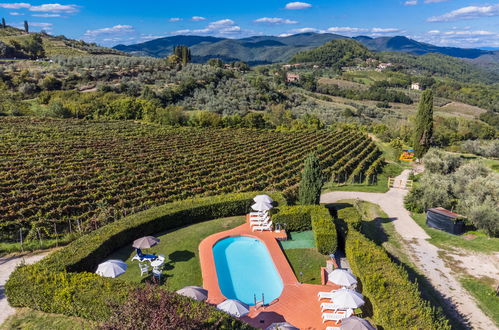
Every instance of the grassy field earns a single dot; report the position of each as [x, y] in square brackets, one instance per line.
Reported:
[28, 319]
[308, 262]
[472, 240]
[180, 248]
[487, 298]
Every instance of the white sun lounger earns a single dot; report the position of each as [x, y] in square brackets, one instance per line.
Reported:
[325, 295]
[259, 220]
[337, 316]
[329, 307]
[267, 226]
[258, 214]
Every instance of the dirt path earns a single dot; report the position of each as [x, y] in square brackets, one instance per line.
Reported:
[7, 266]
[424, 254]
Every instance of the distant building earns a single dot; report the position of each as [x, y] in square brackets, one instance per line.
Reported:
[383, 66]
[292, 77]
[416, 86]
[290, 66]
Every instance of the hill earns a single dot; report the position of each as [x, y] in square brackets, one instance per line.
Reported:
[15, 43]
[274, 49]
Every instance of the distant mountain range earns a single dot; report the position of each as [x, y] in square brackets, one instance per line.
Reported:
[272, 49]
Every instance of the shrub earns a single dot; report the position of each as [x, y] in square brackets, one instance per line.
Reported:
[311, 182]
[50, 286]
[296, 218]
[395, 300]
[324, 229]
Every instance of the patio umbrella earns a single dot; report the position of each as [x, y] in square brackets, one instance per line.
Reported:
[355, 323]
[346, 298]
[234, 307]
[281, 326]
[261, 206]
[263, 198]
[194, 292]
[145, 242]
[111, 268]
[342, 277]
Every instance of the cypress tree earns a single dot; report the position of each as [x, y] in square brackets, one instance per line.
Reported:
[311, 183]
[4, 25]
[424, 124]
[26, 26]
[183, 52]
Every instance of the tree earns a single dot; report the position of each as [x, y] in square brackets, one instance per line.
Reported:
[183, 52]
[4, 25]
[215, 62]
[424, 124]
[312, 180]
[26, 27]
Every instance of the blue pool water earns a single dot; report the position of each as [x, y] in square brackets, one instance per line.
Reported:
[245, 268]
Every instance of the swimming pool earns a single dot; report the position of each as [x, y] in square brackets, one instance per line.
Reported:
[245, 269]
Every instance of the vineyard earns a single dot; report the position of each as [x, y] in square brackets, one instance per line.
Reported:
[58, 176]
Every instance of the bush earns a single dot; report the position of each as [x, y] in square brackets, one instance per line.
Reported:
[438, 161]
[395, 300]
[324, 230]
[296, 218]
[50, 286]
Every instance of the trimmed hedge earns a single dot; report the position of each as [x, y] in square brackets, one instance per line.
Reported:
[52, 285]
[306, 217]
[296, 218]
[326, 239]
[395, 300]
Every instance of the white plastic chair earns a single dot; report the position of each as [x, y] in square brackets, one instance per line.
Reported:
[144, 268]
[157, 272]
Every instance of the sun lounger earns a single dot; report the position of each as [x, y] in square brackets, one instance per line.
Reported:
[258, 214]
[325, 295]
[267, 226]
[143, 257]
[329, 306]
[259, 221]
[337, 316]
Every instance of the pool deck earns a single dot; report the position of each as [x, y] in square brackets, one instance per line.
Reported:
[298, 302]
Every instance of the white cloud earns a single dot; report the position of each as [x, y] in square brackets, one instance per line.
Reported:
[275, 20]
[43, 26]
[117, 29]
[55, 8]
[346, 29]
[285, 34]
[384, 30]
[16, 14]
[297, 5]
[198, 18]
[306, 30]
[175, 19]
[461, 38]
[46, 15]
[17, 5]
[411, 2]
[45, 8]
[221, 28]
[469, 12]
[147, 37]
[351, 31]
[434, 1]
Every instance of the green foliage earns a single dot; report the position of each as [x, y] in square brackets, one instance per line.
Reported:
[324, 229]
[375, 93]
[293, 218]
[423, 132]
[335, 54]
[312, 180]
[382, 280]
[491, 118]
[216, 62]
[52, 286]
[183, 53]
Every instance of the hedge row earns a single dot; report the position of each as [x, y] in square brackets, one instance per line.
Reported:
[64, 282]
[306, 217]
[395, 300]
[326, 239]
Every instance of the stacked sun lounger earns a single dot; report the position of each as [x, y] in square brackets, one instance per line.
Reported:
[331, 311]
[260, 221]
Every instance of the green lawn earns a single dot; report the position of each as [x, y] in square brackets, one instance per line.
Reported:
[299, 240]
[28, 319]
[180, 248]
[472, 240]
[308, 262]
[486, 296]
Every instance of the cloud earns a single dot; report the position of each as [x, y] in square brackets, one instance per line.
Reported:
[275, 20]
[434, 1]
[384, 30]
[462, 38]
[17, 5]
[411, 2]
[43, 26]
[350, 31]
[117, 29]
[222, 28]
[297, 5]
[469, 12]
[347, 29]
[198, 18]
[306, 30]
[16, 14]
[46, 15]
[175, 19]
[45, 8]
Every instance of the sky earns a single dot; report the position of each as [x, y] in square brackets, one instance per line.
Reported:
[458, 23]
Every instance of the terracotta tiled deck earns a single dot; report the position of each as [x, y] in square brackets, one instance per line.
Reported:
[297, 304]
